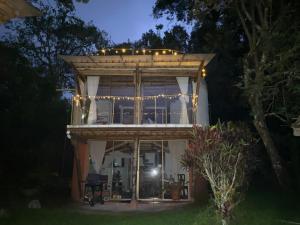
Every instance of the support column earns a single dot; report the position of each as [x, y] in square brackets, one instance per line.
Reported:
[137, 105]
[135, 170]
[80, 169]
[195, 100]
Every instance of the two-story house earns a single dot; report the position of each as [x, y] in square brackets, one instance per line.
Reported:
[132, 118]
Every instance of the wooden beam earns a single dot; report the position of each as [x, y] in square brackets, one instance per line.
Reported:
[198, 80]
[135, 175]
[137, 105]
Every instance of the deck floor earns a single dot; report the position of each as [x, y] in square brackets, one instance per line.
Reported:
[126, 207]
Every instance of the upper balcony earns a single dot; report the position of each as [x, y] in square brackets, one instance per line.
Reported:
[140, 90]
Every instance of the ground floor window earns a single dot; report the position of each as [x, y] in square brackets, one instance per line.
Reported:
[160, 174]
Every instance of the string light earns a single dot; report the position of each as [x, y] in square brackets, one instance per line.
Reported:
[77, 98]
[203, 72]
[112, 51]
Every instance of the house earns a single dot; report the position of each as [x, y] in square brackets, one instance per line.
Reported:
[296, 127]
[132, 118]
[16, 8]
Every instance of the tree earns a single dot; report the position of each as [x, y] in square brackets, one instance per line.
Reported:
[150, 40]
[57, 32]
[177, 38]
[264, 24]
[33, 117]
[221, 154]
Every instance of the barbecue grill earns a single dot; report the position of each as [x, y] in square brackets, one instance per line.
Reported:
[93, 191]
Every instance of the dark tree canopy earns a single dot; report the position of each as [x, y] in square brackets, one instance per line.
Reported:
[57, 32]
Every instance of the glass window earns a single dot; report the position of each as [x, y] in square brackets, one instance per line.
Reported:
[117, 165]
[121, 108]
[150, 167]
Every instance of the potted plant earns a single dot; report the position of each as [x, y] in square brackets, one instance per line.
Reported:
[175, 189]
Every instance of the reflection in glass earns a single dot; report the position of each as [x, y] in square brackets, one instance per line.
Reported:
[150, 167]
[117, 165]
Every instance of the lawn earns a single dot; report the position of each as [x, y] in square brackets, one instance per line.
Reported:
[258, 209]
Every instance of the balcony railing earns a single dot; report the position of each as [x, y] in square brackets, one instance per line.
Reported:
[161, 109]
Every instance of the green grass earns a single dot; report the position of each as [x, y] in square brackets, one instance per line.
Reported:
[259, 209]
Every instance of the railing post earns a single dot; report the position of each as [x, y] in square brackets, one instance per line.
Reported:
[155, 114]
[137, 102]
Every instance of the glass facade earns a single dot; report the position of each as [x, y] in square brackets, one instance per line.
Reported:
[160, 103]
[159, 166]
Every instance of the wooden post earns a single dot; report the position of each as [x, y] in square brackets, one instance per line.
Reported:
[195, 106]
[135, 170]
[137, 105]
[80, 168]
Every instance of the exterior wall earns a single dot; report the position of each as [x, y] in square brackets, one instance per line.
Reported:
[81, 151]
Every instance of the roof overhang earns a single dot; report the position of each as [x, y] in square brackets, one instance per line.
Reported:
[130, 132]
[147, 65]
[296, 127]
[16, 8]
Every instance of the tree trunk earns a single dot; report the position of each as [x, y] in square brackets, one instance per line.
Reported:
[261, 127]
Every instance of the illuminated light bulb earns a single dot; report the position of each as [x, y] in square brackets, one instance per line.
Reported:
[203, 70]
[103, 51]
[117, 52]
[204, 74]
[154, 172]
[164, 52]
[136, 51]
[169, 50]
[123, 50]
[156, 53]
[144, 51]
[150, 51]
[175, 53]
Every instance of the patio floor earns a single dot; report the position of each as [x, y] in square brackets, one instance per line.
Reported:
[126, 207]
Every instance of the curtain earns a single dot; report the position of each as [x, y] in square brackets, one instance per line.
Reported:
[97, 151]
[202, 116]
[173, 159]
[183, 83]
[92, 88]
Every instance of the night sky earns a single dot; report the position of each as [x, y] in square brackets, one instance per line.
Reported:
[121, 19]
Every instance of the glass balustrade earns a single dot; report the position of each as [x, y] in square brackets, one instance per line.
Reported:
[171, 109]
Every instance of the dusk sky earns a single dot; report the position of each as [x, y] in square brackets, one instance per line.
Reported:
[121, 19]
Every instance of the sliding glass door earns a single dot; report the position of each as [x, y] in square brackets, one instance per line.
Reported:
[161, 171]
[150, 169]
[117, 165]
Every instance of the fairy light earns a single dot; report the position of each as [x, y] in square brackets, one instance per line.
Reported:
[114, 51]
[131, 98]
[203, 72]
